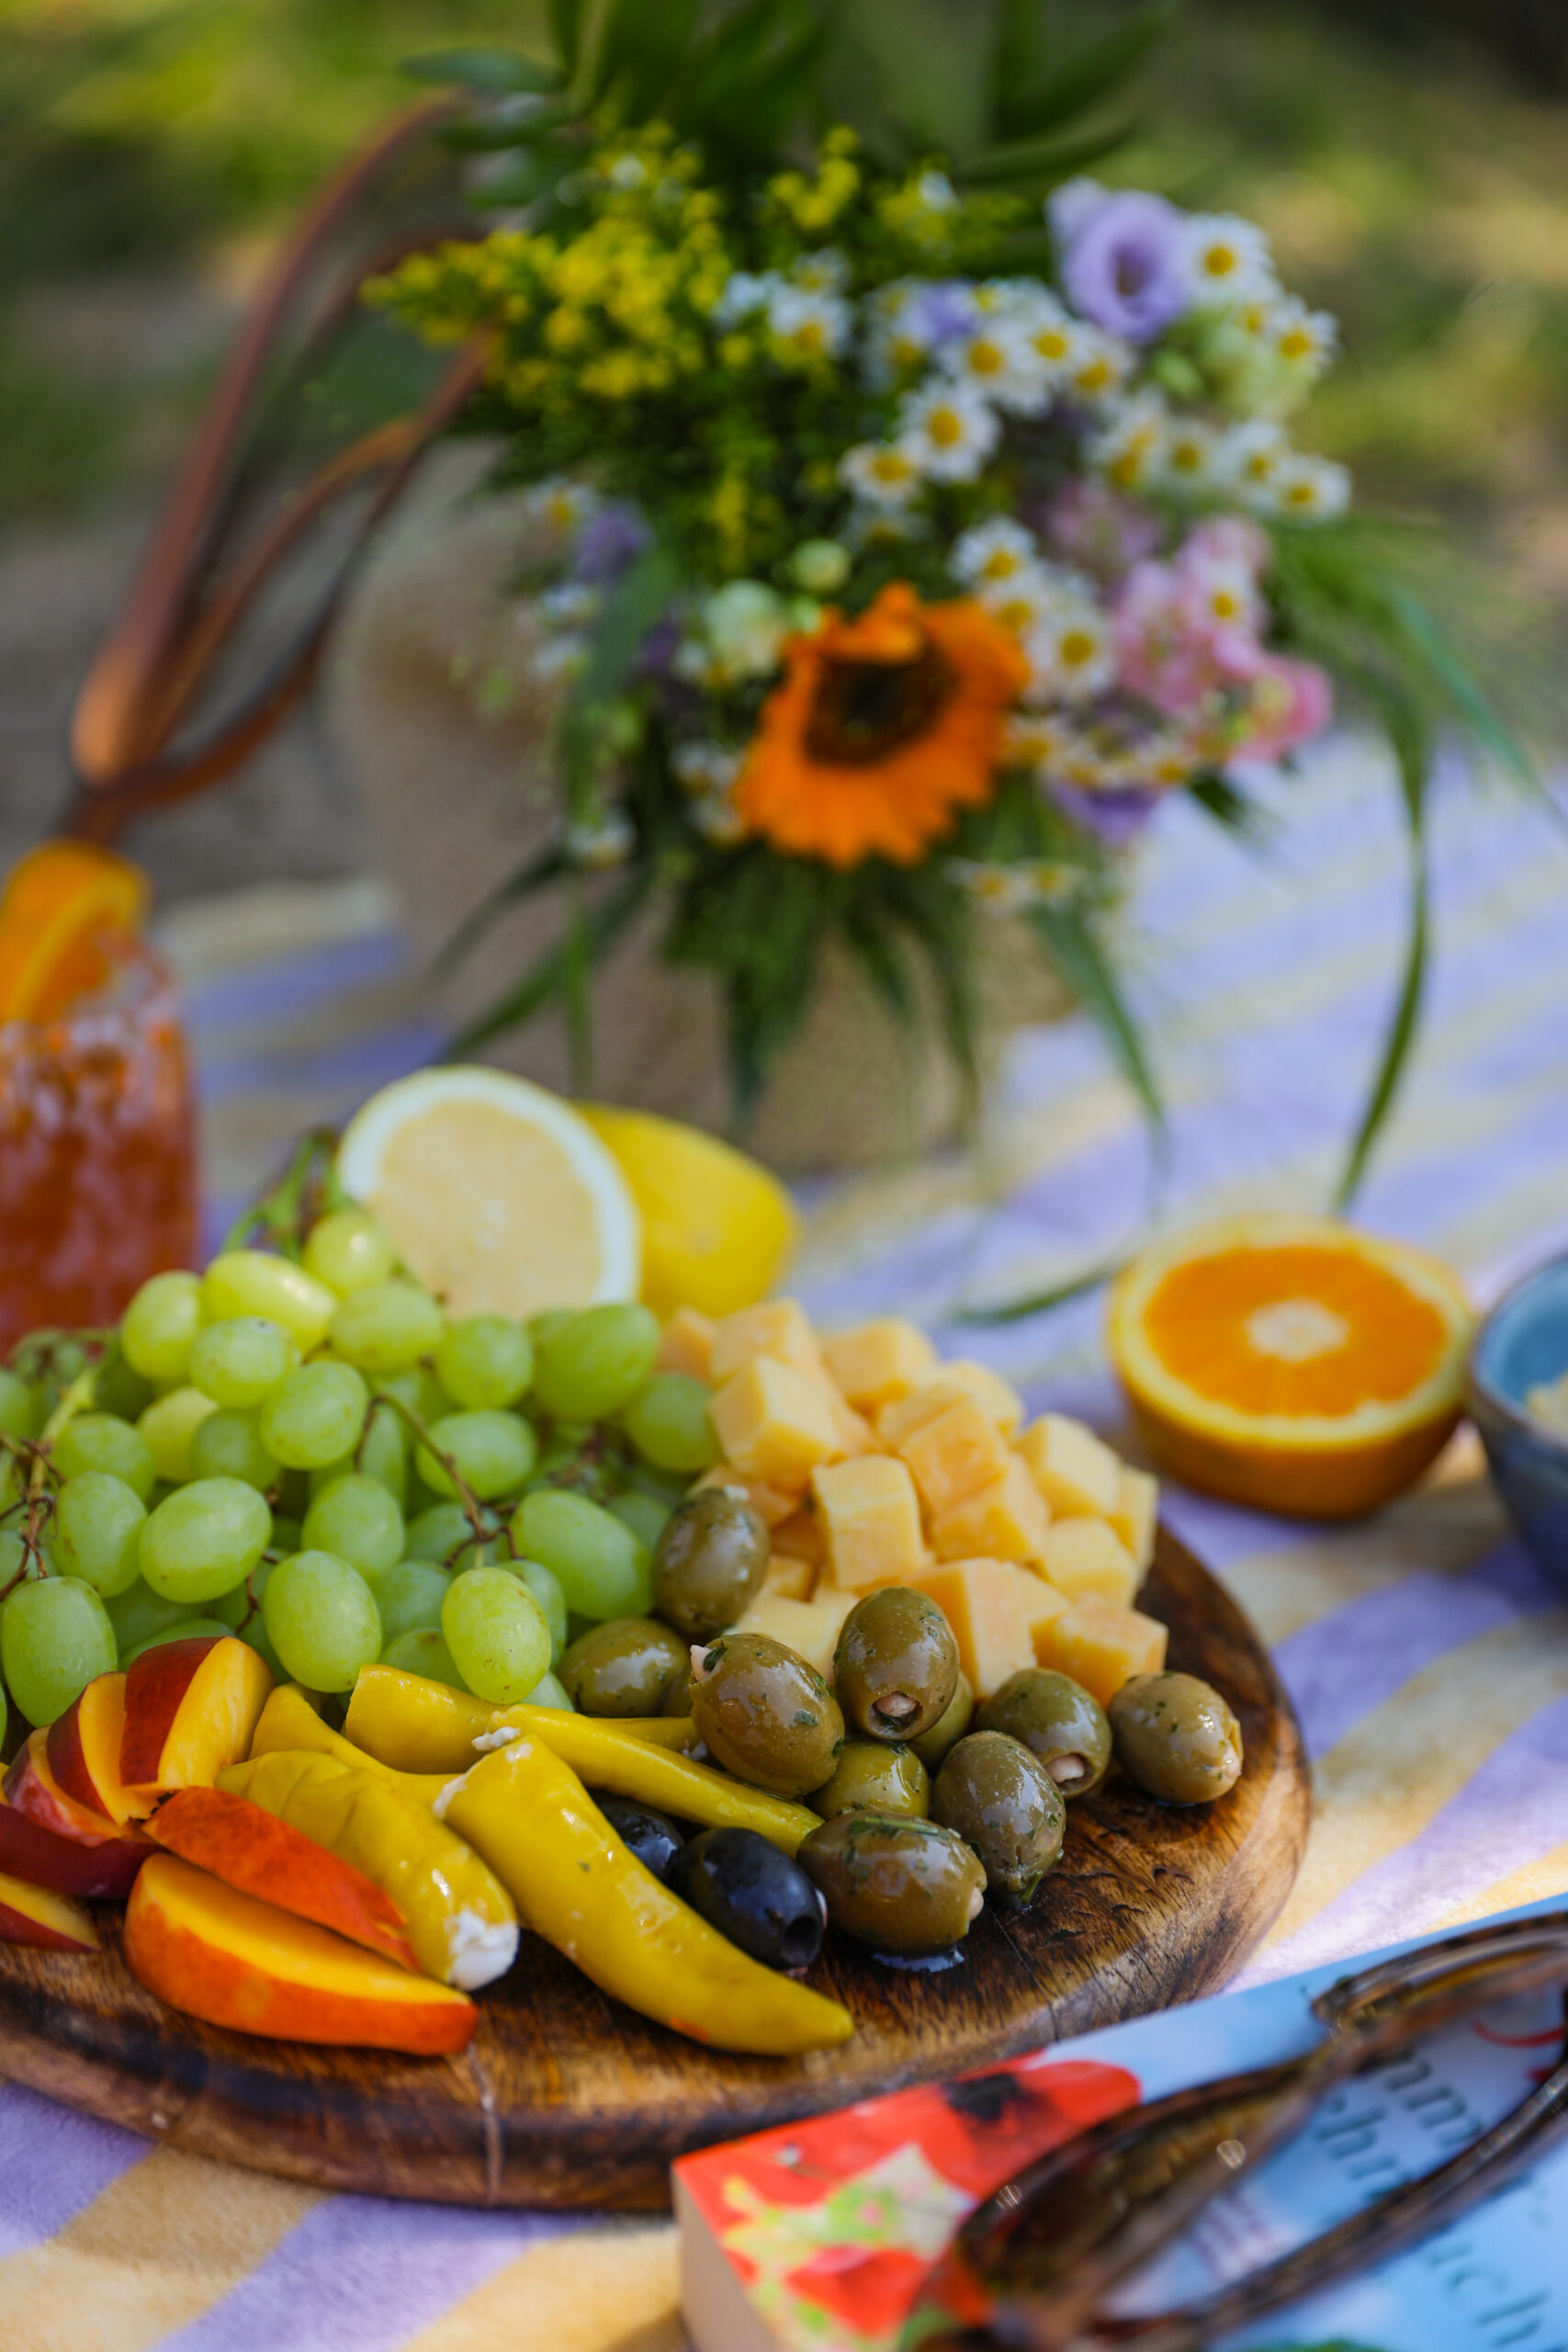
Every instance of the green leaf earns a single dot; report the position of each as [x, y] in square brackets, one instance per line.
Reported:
[551, 973]
[566, 29]
[525, 181]
[1233, 809]
[1041, 1302]
[750, 77]
[1042, 160]
[1019, 65]
[666, 36]
[487, 134]
[1042, 99]
[1412, 747]
[636, 602]
[1068, 938]
[535, 875]
[500, 73]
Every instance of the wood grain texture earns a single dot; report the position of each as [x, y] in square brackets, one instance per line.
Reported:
[565, 2099]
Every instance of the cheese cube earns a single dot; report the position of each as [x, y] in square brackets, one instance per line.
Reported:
[775, 1326]
[1076, 1472]
[871, 1521]
[996, 1397]
[800, 1535]
[789, 1578]
[1083, 1555]
[1003, 1520]
[1134, 1514]
[773, 1505]
[809, 1628]
[1102, 1644]
[957, 1451]
[983, 1601]
[775, 1422]
[877, 1364]
[686, 1344]
[1042, 1605]
[855, 1432]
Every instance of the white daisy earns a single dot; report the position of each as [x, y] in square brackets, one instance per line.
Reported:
[705, 767]
[1000, 362]
[1035, 738]
[715, 817]
[571, 604]
[559, 504]
[808, 325]
[1187, 458]
[992, 552]
[827, 271]
[1071, 654]
[1026, 601]
[1058, 342]
[1068, 207]
[1228, 258]
[1168, 763]
[1249, 461]
[1129, 448]
[1304, 341]
[746, 623]
[1002, 890]
[951, 431]
[910, 319]
[607, 838]
[1055, 883]
[559, 655]
[1098, 366]
[743, 294]
[1311, 489]
[884, 473]
[936, 192]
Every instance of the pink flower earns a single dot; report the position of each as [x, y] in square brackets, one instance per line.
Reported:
[1087, 524]
[1288, 704]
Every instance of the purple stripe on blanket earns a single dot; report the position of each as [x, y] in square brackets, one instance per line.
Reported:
[1513, 1810]
[52, 2163]
[343, 1073]
[1339, 1668]
[364, 2274]
[256, 993]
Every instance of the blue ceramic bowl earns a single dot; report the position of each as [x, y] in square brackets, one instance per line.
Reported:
[1525, 1341]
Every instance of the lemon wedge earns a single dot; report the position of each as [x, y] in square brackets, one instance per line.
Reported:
[498, 1195]
[717, 1230]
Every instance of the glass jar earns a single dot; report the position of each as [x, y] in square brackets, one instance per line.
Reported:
[97, 1152]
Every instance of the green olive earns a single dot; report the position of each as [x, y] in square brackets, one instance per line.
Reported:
[1058, 1721]
[896, 1668]
[1176, 1738]
[899, 1885]
[766, 1715]
[709, 1562]
[875, 1776]
[677, 1698]
[1003, 1801]
[948, 1729]
[627, 1667]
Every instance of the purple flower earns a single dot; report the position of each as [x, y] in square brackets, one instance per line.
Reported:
[945, 308]
[1123, 265]
[1115, 818]
[610, 539]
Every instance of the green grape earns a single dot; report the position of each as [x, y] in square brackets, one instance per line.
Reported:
[16, 1406]
[321, 1618]
[97, 1531]
[603, 1570]
[241, 1361]
[138, 1611]
[316, 1415]
[243, 1606]
[437, 1532]
[548, 1692]
[668, 1423]
[115, 1388]
[204, 1540]
[349, 1250]
[286, 1534]
[644, 1514]
[4, 1714]
[228, 1445]
[250, 1281]
[422, 1649]
[418, 1391]
[545, 1326]
[55, 1639]
[157, 1328]
[496, 1631]
[184, 1629]
[169, 1424]
[410, 1596]
[381, 1453]
[546, 1587]
[387, 1329]
[99, 1441]
[492, 1553]
[357, 1519]
[485, 1361]
[493, 1454]
[593, 1364]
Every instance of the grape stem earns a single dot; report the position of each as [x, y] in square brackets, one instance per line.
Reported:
[307, 1189]
[473, 1511]
[40, 1502]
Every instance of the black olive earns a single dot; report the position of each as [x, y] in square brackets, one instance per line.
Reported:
[651, 1836]
[741, 1884]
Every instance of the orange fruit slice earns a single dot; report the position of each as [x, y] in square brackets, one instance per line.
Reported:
[1291, 1362]
[60, 904]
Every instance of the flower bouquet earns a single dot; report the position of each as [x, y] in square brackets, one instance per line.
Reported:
[908, 527]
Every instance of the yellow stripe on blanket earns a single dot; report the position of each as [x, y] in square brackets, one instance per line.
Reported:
[611, 2289]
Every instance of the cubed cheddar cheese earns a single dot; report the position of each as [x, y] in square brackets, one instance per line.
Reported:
[775, 1326]
[855, 1432]
[996, 1397]
[983, 1601]
[773, 1505]
[1005, 1520]
[1134, 1513]
[1083, 1555]
[1042, 1605]
[871, 1521]
[959, 1450]
[775, 1422]
[1102, 1644]
[800, 1535]
[877, 1364]
[686, 1343]
[789, 1578]
[809, 1628]
[1076, 1471]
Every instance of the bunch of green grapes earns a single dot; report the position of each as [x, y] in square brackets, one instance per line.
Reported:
[309, 1454]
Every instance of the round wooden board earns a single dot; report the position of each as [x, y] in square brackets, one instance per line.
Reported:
[565, 2099]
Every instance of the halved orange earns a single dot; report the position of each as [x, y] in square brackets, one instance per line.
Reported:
[60, 904]
[1292, 1362]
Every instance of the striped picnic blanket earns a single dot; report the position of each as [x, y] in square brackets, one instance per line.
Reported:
[1428, 1660]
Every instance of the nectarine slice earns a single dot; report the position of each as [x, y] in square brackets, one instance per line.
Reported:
[253, 1850]
[33, 1915]
[84, 1747]
[226, 1958]
[32, 1787]
[190, 1708]
[103, 1870]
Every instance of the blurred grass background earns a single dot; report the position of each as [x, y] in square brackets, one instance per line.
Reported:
[1408, 157]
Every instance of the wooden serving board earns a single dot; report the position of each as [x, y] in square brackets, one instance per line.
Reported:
[565, 2099]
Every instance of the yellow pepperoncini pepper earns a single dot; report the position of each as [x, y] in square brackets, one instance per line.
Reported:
[576, 1885]
[422, 1725]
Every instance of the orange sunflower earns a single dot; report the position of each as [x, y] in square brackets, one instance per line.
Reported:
[883, 728]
